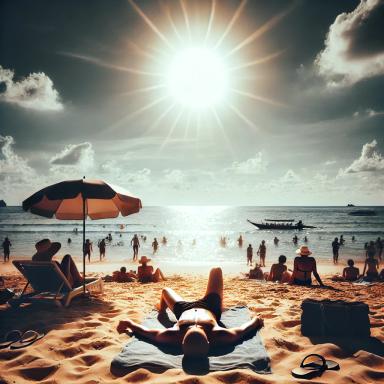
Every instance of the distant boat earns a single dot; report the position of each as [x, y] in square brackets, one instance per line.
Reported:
[281, 224]
[350, 205]
[363, 212]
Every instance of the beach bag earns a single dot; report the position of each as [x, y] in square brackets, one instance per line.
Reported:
[335, 318]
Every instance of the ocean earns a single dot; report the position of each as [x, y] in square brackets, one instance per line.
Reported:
[181, 225]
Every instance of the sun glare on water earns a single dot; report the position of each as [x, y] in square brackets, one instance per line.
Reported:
[197, 78]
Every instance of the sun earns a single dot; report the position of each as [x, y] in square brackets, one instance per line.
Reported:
[197, 78]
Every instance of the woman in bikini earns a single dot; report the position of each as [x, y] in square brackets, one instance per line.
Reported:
[371, 266]
[197, 328]
[303, 268]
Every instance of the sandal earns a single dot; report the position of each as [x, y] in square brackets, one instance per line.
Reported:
[28, 338]
[310, 370]
[10, 338]
[331, 365]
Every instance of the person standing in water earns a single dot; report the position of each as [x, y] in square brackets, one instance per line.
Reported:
[262, 251]
[249, 254]
[155, 245]
[240, 241]
[335, 250]
[135, 245]
[88, 249]
[102, 246]
[6, 248]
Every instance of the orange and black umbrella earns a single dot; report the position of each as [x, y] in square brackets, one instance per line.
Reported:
[79, 199]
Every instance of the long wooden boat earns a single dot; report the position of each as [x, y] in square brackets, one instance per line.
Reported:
[285, 225]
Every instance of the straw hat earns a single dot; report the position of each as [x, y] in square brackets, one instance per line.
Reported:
[304, 251]
[45, 250]
[144, 260]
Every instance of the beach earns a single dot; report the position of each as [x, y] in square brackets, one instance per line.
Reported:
[80, 341]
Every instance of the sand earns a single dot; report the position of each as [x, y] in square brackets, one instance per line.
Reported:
[81, 340]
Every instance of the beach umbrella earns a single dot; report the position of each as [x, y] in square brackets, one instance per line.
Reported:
[79, 199]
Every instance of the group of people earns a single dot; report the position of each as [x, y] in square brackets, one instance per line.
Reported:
[261, 252]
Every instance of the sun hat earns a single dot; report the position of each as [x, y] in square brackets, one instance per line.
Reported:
[304, 251]
[45, 250]
[144, 260]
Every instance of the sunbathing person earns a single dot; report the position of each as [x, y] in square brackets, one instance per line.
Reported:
[46, 250]
[256, 273]
[351, 273]
[279, 271]
[303, 267]
[197, 328]
[123, 276]
[372, 267]
[145, 272]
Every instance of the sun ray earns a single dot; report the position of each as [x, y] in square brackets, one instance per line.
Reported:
[186, 18]
[233, 20]
[150, 24]
[158, 120]
[101, 63]
[167, 11]
[260, 31]
[143, 52]
[262, 60]
[186, 131]
[222, 129]
[211, 17]
[258, 98]
[242, 116]
[139, 111]
[143, 90]
[171, 129]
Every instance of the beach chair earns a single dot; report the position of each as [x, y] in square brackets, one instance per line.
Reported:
[49, 283]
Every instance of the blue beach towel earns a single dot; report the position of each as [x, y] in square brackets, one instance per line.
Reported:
[139, 353]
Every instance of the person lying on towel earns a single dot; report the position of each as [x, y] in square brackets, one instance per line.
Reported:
[46, 250]
[197, 328]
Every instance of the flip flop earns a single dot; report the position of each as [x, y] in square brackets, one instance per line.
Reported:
[306, 371]
[10, 338]
[331, 365]
[28, 338]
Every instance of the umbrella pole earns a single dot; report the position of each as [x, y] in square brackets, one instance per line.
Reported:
[84, 245]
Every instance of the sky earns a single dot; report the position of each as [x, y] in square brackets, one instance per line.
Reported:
[194, 102]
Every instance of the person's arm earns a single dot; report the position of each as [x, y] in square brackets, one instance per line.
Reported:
[316, 274]
[271, 276]
[344, 273]
[225, 336]
[166, 336]
[365, 267]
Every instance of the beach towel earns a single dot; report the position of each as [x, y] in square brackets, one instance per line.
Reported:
[250, 353]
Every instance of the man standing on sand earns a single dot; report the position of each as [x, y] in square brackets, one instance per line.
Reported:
[262, 251]
[249, 254]
[88, 249]
[335, 250]
[6, 249]
[101, 246]
[135, 245]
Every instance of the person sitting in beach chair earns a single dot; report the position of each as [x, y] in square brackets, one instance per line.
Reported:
[279, 271]
[197, 327]
[303, 267]
[145, 272]
[371, 266]
[46, 250]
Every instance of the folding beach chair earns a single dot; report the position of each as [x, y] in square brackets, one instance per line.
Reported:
[49, 283]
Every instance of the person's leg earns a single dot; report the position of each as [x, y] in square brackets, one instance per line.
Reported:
[158, 276]
[69, 269]
[168, 299]
[215, 282]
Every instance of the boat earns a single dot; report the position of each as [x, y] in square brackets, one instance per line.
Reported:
[281, 224]
[350, 205]
[363, 212]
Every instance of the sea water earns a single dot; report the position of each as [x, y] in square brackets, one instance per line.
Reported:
[193, 232]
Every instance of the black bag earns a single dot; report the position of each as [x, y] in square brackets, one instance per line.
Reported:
[5, 295]
[335, 318]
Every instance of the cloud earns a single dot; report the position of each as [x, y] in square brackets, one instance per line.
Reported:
[16, 176]
[370, 160]
[35, 91]
[290, 177]
[252, 166]
[354, 47]
[75, 154]
[329, 162]
[114, 171]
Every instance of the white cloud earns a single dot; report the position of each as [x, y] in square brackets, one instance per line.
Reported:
[370, 160]
[329, 162]
[290, 177]
[255, 165]
[352, 48]
[35, 91]
[75, 154]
